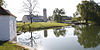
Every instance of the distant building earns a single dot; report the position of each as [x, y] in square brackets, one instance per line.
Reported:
[63, 18]
[7, 25]
[19, 21]
[66, 18]
[35, 18]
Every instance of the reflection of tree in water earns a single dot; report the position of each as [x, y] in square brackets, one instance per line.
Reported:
[88, 36]
[60, 31]
[30, 40]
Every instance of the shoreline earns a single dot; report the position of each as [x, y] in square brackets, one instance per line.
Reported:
[38, 26]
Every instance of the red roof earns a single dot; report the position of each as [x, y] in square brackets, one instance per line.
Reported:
[5, 12]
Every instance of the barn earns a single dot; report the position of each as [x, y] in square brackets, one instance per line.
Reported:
[7, 25]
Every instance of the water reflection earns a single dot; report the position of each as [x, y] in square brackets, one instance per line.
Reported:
[88, 36]
[45, 33]
[29, 39]
[81, 37]
[60, 31]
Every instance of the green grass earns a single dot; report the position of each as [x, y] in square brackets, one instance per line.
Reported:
[38, 25]
[10, 46]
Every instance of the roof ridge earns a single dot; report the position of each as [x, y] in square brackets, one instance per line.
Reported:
[5, 12]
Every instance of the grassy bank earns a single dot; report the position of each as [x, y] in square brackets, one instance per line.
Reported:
[38, 25]
[10, 46]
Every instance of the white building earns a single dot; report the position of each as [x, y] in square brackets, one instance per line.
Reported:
[35, 18]
[7, 25]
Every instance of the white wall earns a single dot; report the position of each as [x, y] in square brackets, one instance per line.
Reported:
[4, 28]
[7, 28]
[12, 27]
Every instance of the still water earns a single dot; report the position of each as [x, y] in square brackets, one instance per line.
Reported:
[79, 37]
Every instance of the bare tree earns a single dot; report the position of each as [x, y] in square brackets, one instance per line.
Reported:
[30, 5]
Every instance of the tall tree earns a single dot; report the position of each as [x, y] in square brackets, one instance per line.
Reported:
[57, 13]
[89, 10]
[30, 5]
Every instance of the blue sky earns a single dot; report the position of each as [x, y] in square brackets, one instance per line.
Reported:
[16, 6]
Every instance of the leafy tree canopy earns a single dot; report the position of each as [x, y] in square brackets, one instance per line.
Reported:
[89, 10]
[57, 13]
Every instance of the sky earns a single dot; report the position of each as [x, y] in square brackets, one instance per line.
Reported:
[16, 7]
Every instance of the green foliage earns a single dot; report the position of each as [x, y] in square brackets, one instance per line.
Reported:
[57, 13]
[89, 10]
[59, 31]
[10, 46]
[1, 2]
[76, 14]
[88, 36]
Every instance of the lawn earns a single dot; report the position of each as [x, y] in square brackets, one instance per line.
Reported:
[38, 25]
[10, 46]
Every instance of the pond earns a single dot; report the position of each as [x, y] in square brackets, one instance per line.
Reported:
[80, 37]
